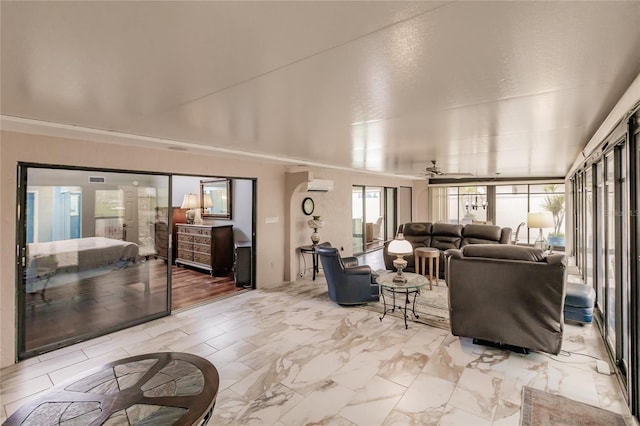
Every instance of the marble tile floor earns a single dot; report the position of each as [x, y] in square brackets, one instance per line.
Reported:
[290, 356]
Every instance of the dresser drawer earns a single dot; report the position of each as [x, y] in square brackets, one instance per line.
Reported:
[182, 245]
[185, 238]
[185, 254]
[202, 258]
[202, 239]
[193, 230]
[202, 248]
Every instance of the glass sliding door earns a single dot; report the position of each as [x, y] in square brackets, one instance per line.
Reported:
[600, 237]
[373, 217]
[357, 218]
[391, 223]
[588, 226]
[87, 264]
[622, 254]
[374, 212]
[609, 258]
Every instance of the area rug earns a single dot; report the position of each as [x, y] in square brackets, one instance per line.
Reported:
[432, 306]
[541, 408]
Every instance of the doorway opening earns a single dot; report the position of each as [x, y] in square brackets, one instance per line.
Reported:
[212, 257]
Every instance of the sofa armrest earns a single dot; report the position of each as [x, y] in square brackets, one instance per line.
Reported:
[557, 259]
[505, 235]
[454, 253]
[358, 270]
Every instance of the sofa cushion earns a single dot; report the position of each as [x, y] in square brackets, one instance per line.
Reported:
[417, 233]
[503, 251]
[481, 234]
[445, 236]
[447, 229]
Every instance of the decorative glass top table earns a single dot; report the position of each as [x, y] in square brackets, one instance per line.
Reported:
[164, 388]
[412, 287]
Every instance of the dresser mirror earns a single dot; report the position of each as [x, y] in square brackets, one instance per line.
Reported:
[215, 198]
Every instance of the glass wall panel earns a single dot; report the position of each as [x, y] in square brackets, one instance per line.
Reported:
[88, 265]
[579, 221]
[512, 203]
[600, 236]
[473, 203]
[624, 257]
[609, 257]
[588, 226]
[549, 198]
[357, 218]
[454, 205]
[390, 217]
[467, 204]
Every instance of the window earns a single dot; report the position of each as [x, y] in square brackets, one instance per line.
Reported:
[512, 206]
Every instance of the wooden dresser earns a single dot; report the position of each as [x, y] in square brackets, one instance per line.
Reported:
[205, 247]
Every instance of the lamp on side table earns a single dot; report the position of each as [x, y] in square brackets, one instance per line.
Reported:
[400, 248]
[540, 220]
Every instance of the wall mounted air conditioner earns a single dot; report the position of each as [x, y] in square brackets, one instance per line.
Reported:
[319, 185]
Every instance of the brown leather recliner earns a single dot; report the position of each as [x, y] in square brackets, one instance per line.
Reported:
[507, 295]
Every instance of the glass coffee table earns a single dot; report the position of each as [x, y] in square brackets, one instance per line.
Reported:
[412, 287]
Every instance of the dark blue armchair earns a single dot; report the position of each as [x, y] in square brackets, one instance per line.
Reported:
[348, 283]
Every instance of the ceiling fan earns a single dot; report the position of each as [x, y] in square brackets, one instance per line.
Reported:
[434, 171]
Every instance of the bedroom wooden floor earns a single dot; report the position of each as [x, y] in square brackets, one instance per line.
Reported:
[107, 301]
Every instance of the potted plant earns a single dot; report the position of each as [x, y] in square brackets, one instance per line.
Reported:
[555, 204]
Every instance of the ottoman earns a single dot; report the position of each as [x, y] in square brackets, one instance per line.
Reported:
[578, 304]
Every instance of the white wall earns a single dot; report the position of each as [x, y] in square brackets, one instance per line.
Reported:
[335, 207]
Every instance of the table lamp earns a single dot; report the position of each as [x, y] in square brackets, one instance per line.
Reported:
[400, 248]
[190, 202]
[540, 220]
[207, 202]
[315, 224]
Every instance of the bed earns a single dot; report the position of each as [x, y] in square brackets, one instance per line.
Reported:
[72, 257]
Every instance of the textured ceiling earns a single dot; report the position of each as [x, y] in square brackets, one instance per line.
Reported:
[516, 88]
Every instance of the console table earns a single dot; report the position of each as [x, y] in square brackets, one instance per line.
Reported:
[314, 257]
[168, 388]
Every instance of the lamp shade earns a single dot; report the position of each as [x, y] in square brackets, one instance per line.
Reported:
[190, 201]
[540, 220]
[207, 201]
[400, 246]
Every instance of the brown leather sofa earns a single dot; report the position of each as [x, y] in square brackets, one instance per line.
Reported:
[445, 236]
[507, 295]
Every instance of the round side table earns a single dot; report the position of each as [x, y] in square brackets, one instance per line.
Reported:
[432, 255]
